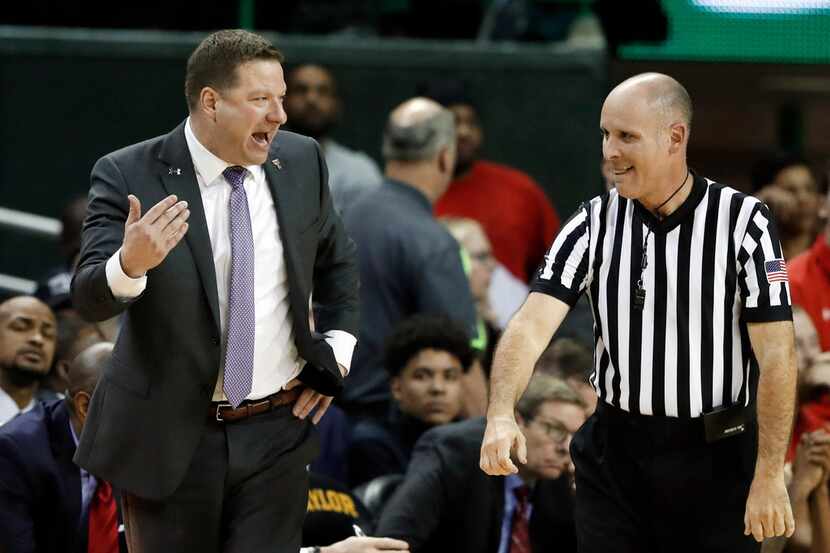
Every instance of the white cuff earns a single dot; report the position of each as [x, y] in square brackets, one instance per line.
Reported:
[342, 343]
[123, 287]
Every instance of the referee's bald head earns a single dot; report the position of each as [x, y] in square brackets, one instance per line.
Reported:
[664, 95]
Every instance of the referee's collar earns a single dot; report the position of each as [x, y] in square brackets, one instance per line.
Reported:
[677, 216]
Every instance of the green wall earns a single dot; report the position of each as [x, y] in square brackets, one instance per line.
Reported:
[71, 96]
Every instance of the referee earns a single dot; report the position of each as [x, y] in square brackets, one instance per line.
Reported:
[694, 354]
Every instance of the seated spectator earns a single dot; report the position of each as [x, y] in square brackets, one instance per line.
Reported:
[409, 263]
[425, 357]
[74, 335]
[573, 362]
[336, 522]
[787, 184]
[513, 209]
[446, 503]
[27, 346]
[313, 106]
[49, 504]
[480, 266]
[809, 275]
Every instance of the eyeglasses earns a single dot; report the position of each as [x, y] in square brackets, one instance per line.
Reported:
[554, 430]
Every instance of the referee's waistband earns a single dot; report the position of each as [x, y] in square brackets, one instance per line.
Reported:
[660, 430]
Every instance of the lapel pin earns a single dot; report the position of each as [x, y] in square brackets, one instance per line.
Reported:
[174, 171]
[276, 161]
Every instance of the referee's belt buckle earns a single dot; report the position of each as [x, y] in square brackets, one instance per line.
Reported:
[726, 422]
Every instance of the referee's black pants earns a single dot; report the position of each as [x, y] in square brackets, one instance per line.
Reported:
[653, 484]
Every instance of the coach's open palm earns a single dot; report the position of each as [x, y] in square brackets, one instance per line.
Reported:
[501, 436]
[148, 239]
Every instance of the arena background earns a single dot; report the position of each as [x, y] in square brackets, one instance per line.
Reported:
[79, 82]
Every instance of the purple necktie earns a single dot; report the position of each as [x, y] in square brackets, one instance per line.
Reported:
[239, 354]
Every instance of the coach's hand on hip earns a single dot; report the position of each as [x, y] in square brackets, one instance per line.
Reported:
[768, 511]
[309, 399]
[148, 239]
[501, 436]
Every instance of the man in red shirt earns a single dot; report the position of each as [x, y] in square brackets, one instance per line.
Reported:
[513, 209]
[810, 284]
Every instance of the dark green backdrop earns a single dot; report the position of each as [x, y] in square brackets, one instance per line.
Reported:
[71, 96]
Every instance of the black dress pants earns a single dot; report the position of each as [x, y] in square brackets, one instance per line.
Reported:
[246, 490]
[648, 484]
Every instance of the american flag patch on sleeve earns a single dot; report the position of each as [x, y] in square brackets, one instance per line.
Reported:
[776, 271]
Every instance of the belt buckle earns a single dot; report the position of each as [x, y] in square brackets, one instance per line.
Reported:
[219, 417]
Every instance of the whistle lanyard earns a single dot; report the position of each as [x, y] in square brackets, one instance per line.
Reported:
[639, 290]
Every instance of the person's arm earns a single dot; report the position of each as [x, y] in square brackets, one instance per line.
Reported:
[335, 291]
[820, 519]
[820, 499]
[335, 272]
[561, 280]
[416, 508]
[807, 476]
[119, 245]
[361, 544]
[525, 338]
[768, 511]
[766, 309]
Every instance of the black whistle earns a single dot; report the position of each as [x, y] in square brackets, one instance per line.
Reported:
[639, 297]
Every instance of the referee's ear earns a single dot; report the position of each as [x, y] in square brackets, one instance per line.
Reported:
[678, 137]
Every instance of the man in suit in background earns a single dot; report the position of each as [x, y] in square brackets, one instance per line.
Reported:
[48, 504]
[444, 504]
[201, 417]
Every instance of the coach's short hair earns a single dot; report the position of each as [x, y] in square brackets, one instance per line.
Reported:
[213, 63]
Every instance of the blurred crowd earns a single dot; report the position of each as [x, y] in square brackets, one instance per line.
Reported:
[447, 244]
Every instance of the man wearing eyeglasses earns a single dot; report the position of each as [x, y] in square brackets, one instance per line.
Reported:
[446, 503]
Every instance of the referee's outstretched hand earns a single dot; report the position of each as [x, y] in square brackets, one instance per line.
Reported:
[501, 437]
[768, 512]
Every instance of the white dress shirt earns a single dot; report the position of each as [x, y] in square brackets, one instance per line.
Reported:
[9, 408]
[276, 360]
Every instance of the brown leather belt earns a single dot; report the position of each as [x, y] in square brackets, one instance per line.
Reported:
[221, 411]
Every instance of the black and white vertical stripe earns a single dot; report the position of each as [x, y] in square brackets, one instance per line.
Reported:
[687, 351]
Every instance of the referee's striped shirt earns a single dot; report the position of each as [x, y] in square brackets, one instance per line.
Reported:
[714, 264]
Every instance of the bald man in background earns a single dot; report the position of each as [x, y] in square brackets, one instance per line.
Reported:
[49, 504]
[409, 263]
[693, 341]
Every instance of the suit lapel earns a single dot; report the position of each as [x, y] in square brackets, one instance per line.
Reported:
[179, 178]
[282, 191]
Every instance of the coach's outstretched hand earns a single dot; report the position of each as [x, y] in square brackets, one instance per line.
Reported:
[148, 239]
[501, 437]
[768, 510]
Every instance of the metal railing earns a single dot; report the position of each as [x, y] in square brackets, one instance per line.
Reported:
[31, 224]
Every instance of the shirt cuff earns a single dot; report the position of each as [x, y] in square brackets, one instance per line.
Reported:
[342, 343]
[122, 286]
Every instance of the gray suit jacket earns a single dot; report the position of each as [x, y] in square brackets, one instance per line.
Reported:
[150, 407]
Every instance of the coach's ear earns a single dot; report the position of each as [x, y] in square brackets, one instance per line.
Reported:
[208, 100]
